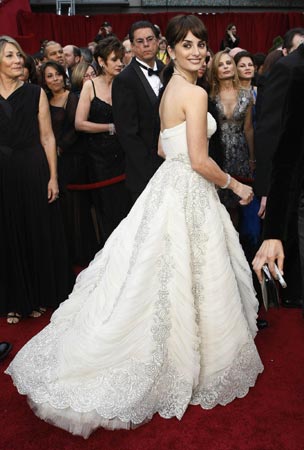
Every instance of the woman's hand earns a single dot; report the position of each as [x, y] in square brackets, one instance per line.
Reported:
[252, 165]
[262, 210]
[53, 190]
[242, 190]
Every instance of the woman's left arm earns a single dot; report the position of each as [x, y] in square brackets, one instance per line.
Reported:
[249, 133]
[48, 142]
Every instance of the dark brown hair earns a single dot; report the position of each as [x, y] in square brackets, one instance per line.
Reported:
[179, 26]
[105, 47]
[271, 59]
[60, 69]
[177, 29]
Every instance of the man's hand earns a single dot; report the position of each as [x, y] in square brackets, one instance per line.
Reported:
[271, 251]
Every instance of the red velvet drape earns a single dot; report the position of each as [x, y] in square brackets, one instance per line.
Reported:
[256, 30]
[8, 12]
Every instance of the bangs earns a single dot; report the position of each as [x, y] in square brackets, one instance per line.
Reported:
[119, 52]
[180, 26]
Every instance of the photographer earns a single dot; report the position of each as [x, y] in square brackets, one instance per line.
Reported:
[231, 40]
[104, 31]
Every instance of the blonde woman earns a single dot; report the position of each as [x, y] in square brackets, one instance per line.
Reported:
[83, 71]
[234, 107]
[33, 256]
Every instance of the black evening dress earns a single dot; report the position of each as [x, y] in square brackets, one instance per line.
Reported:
[76, 204]
[34, 268]
[106, 160]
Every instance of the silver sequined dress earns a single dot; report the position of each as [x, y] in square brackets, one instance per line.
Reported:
[164, 316]
[234, 143]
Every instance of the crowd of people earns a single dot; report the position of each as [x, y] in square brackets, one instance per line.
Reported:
[175, 150]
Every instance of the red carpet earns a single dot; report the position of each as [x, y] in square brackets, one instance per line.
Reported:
[270, 417]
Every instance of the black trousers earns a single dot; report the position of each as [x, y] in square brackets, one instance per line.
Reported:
[292, 264]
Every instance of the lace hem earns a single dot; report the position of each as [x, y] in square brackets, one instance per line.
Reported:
[233, 383]
[169, 397]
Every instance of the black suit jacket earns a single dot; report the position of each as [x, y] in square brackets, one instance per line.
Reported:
[279, 144]
[136, 118]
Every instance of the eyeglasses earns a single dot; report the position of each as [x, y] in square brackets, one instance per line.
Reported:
[147, 40]
[89, 75]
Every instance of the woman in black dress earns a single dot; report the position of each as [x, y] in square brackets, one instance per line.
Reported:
[33, 257]
[230, 40]
[105, 155]
[72, 165]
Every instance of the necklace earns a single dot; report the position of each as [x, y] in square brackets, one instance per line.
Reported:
[183, 76]
[180, 75]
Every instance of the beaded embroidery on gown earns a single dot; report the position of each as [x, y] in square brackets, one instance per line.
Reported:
[164, 316]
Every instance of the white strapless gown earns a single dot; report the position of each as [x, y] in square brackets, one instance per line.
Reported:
[164, 316]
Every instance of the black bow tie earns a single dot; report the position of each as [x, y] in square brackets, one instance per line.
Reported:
[150, 71]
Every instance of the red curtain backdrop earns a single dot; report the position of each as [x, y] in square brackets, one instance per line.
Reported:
[256, 30]
[8, 12]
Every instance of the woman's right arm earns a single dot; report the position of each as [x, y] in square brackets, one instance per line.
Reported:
[82, 113]
[160, 150]
[48, 142]
[195, 107]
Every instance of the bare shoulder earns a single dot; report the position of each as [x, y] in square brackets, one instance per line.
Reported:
[199, 92]
[179, 100]
[87, 86]
[87, 91]
[192, 92]
[195, 96]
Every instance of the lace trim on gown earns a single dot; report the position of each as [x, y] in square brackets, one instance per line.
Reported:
[120, 350]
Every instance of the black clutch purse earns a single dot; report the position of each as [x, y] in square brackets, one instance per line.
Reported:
[270, 292]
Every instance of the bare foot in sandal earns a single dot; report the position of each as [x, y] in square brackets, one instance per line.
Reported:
[37, 312]
[13, 318]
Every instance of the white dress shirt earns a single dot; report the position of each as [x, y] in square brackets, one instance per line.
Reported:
[153, 80]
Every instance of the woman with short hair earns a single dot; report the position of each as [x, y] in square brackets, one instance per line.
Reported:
[106, 159]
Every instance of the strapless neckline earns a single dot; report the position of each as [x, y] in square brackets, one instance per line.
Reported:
[179, 128]
[173, 128]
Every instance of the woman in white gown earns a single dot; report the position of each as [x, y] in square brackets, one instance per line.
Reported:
[165, 315]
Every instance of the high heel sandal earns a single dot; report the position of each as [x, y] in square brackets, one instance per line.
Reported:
[13, 318]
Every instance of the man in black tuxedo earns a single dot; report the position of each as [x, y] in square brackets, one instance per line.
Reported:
[135, 108]
[280, 157]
